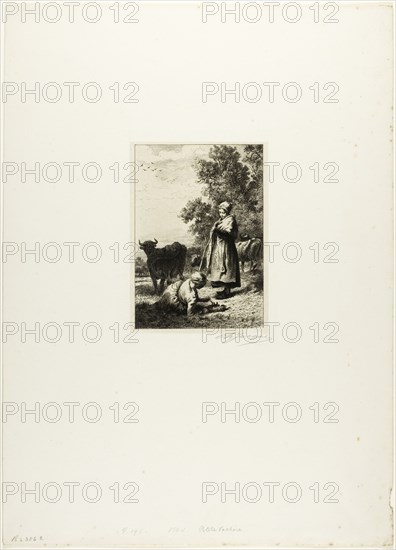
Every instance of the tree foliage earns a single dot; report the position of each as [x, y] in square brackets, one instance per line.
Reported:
[227, 176]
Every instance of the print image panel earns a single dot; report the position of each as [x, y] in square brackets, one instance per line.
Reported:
[198, 214]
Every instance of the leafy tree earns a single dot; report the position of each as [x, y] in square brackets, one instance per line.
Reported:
[200, 215]
[228, 177]
[254, 158]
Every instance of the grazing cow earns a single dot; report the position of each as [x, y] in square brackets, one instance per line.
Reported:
[165, 263]
[249, 250]
[141, 271]
[195, 260]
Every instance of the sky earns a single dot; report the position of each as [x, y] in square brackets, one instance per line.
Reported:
[166, 182]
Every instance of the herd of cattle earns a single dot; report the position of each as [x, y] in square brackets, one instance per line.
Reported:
[167, 263]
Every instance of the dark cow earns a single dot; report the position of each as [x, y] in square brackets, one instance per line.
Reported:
[165, 263]
[249, 250]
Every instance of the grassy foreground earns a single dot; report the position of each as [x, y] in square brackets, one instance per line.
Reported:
[244, 307]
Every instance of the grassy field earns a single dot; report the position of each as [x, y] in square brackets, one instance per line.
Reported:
[244, 307]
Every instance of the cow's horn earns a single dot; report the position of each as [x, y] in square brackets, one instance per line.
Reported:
[155, 240]
[140, 243]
